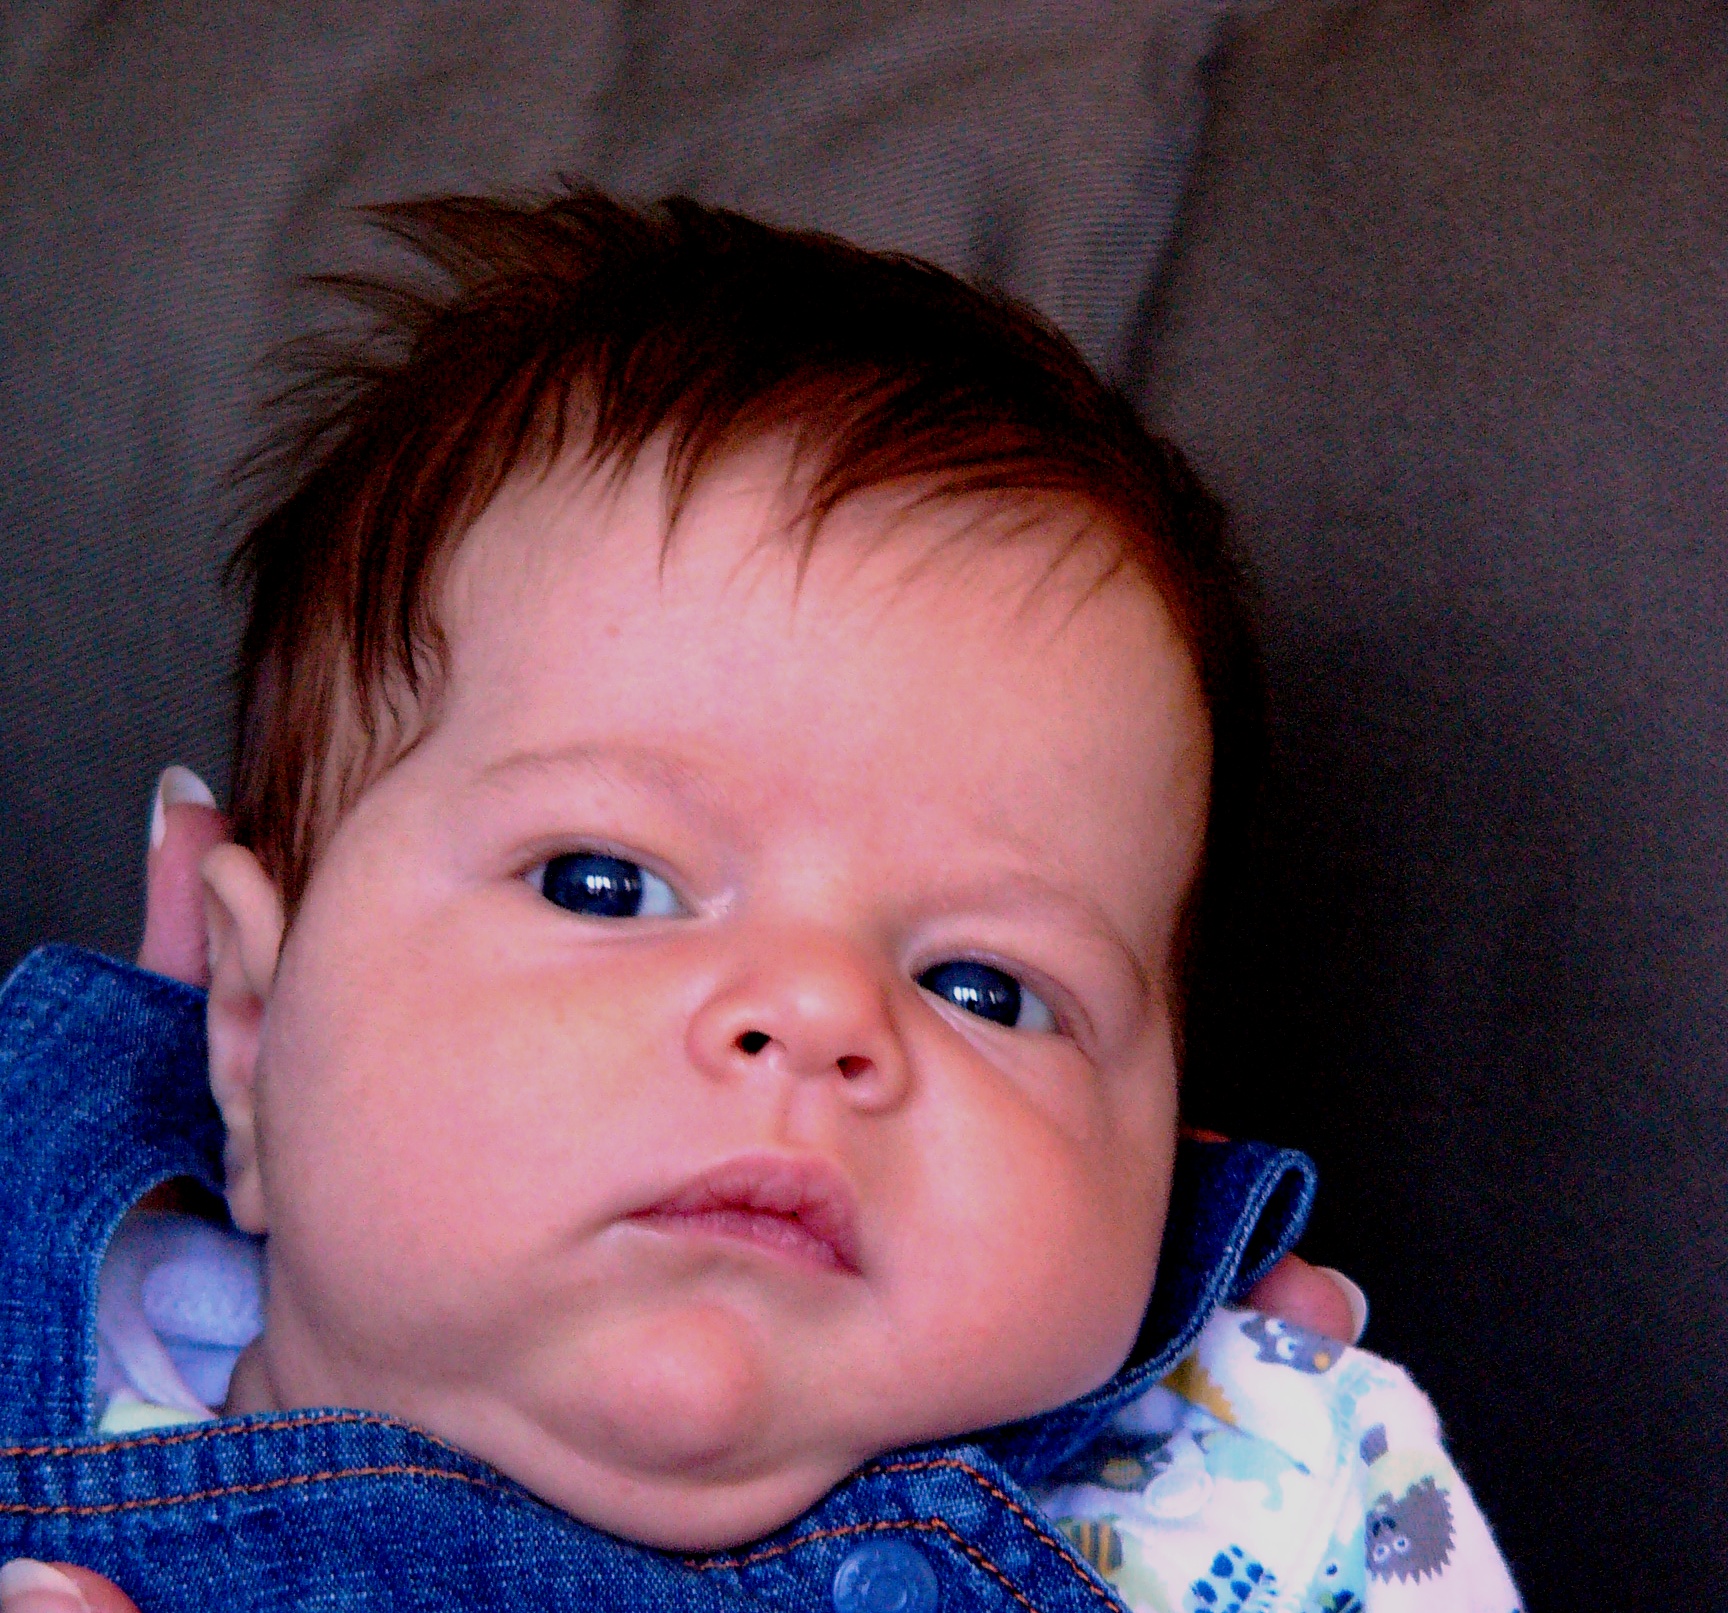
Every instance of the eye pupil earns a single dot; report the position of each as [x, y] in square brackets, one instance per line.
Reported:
[591, 883]
[976, 987]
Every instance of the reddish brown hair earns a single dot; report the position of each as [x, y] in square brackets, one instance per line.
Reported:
[587, 326]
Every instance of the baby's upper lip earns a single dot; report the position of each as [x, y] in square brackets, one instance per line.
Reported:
[748, 1194]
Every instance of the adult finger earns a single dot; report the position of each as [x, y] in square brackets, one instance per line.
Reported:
[1315, 1297]
[27, 1586]
[184, 825]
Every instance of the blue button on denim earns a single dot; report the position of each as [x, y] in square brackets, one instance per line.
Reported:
[885, 1576]
[103, 1094]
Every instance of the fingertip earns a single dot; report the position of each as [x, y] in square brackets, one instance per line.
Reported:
[100, 1595]
[184, 824]
[180, 786]
[1297, 1292]
[27, 1586]
[175, 786]
[1353, 1297]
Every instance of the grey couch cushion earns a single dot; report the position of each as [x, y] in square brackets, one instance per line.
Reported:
[172, 170]
[1447, 325]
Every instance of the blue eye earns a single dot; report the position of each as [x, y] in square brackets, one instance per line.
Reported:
[989, 993]
[600, 886]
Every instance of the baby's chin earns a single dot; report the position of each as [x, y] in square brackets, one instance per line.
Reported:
[692, 1443]
[673, 1510]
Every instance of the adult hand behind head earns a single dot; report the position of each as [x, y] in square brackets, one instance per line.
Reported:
[184, 825]
[1314, 1297]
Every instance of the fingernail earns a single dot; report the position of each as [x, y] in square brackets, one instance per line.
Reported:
[178, 786]
[27, 1586]
[1354, 1298]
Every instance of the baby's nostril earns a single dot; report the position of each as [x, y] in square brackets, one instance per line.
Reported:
[850, 1066]
[752, 1042]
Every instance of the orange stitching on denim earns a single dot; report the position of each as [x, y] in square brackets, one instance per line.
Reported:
[929, 1526]
[1054, 1542]
[399, 1470]
[223, 1430]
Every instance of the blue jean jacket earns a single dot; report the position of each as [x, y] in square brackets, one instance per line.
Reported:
[103, 1095]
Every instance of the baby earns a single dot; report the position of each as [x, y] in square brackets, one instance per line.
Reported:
[733, 732]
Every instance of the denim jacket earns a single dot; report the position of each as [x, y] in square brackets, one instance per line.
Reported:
[103, 1095]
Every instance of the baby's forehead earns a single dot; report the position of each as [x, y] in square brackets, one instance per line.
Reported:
[747, 522]
[1005, 637]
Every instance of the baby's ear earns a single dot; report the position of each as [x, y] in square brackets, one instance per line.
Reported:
[244, 913]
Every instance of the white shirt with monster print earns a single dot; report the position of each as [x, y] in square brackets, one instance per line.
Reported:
[1278, 1471]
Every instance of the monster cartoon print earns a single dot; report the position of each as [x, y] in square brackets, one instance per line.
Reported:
[1412, 1535]
[1289, 1345]
[1098, 1540]
[1409, 1532]
[1231, 1454]
[1212, 1492]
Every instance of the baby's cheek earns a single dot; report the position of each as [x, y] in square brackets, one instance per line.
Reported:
[1042, 1294]
[1096, 1276]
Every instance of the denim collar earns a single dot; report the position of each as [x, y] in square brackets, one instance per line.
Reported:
[104, 1094]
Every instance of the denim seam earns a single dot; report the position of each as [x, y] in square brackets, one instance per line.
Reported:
[928, 1526]
[94, 1509]
[1249, 1220]
[58, 1003]
[1033, 1525]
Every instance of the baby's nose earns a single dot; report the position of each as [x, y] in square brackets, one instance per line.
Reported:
[804, 1007]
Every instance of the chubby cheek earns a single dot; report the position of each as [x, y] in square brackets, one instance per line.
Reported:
[1046, 1258]
[430, 1132]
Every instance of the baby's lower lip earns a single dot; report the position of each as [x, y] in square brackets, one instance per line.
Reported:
[775, 1234]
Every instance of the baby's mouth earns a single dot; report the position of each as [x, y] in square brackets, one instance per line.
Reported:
[800, 1208]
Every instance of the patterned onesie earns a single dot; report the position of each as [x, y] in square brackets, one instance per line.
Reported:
[1277, 1471]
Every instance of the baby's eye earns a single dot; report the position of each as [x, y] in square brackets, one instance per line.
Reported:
[600, 886]
[989, 993]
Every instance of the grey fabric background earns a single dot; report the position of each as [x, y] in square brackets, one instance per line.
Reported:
[1445, 320]
[1447, 325]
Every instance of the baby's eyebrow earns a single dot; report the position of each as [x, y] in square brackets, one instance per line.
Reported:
[626, 766]
[1019, 891]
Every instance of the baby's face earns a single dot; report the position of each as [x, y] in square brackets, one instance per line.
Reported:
[736, 1041]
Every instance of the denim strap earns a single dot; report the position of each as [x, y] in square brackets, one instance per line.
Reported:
[103, 1094]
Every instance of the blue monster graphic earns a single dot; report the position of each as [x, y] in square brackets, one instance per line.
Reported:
[1289, 1345]
[1411, 1536]
[1234, 1584]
